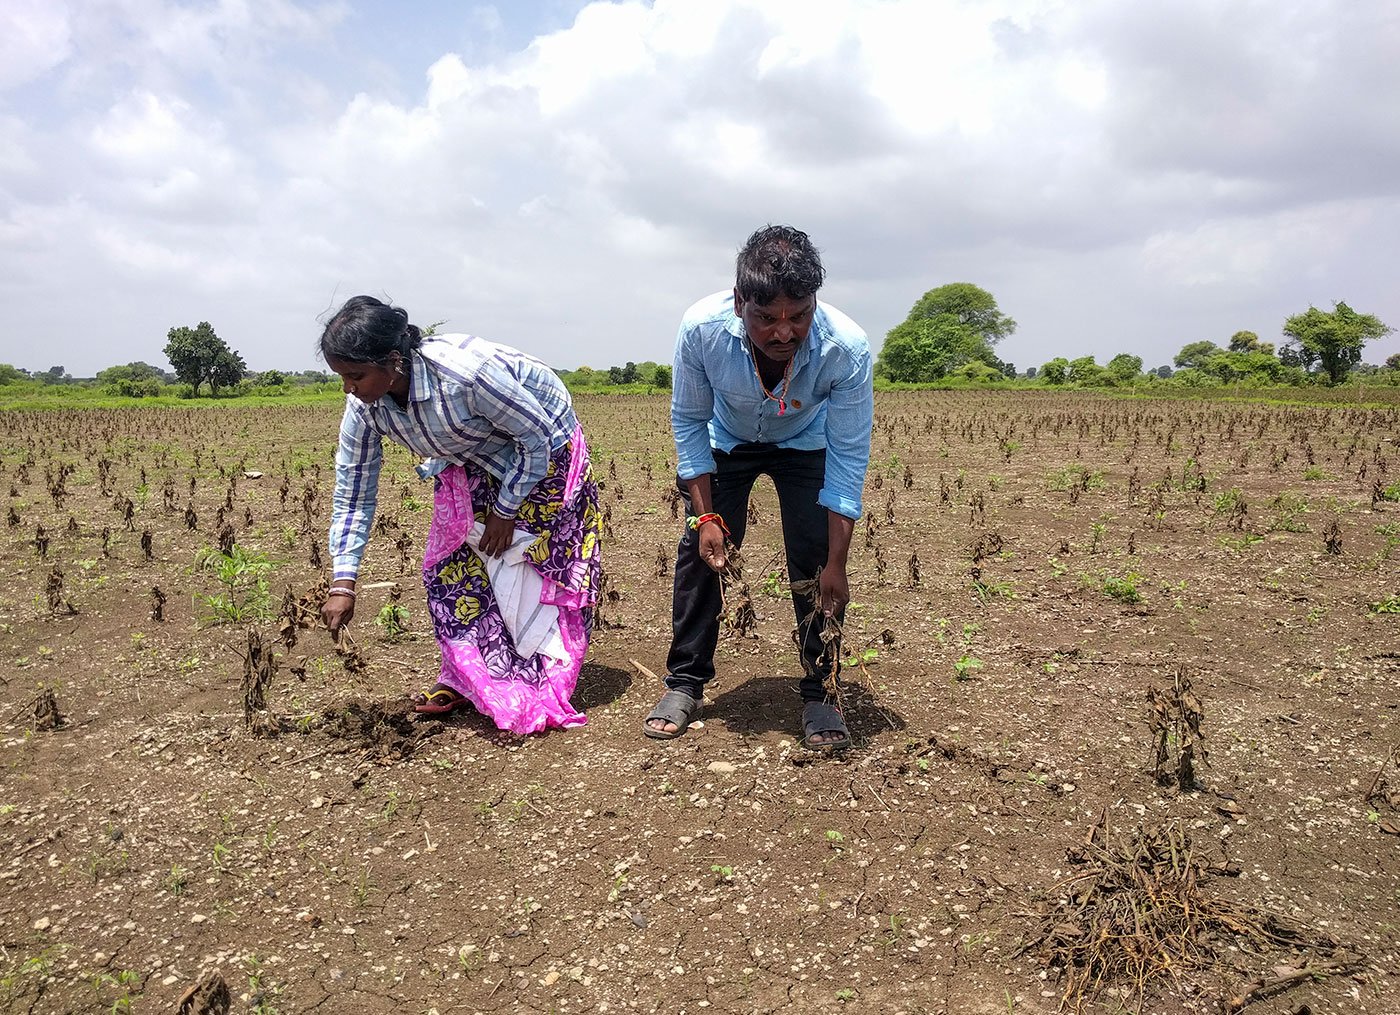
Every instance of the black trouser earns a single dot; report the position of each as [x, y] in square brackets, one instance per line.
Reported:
[696, 603]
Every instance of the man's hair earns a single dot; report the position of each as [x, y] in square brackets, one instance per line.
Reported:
[778, 260]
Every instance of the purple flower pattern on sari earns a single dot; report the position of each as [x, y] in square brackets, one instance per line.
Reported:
[461, 602]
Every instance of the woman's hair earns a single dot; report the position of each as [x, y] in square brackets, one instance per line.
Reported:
[367, 330]
[778, 260]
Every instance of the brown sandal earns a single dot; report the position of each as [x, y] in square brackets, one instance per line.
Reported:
[439, 701]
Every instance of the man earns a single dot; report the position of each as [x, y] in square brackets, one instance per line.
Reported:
[767, 380]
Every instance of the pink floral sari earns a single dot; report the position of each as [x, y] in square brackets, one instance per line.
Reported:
[480, 659]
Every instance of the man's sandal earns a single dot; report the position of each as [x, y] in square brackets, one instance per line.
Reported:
[438, 701]
[820, 717]
[674, 707]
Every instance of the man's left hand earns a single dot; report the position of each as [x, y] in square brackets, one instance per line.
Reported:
[835, 590]
[498, 535]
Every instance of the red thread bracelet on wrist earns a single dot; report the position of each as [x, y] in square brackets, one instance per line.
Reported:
[711, 517]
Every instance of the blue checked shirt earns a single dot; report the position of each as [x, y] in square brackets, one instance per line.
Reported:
[469, 402]
[717, 401]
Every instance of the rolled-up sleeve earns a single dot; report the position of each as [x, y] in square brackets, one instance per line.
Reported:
[692, 406]
[498, 395]
[850, 414]
[357, 462]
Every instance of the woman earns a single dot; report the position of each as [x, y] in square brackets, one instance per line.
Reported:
[511, 564]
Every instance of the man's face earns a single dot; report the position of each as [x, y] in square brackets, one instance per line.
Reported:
[776, 329]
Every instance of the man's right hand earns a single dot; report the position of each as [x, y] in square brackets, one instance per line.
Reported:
[711, 545]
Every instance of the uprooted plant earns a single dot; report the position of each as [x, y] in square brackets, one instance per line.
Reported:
[828, 663]
[736, 602]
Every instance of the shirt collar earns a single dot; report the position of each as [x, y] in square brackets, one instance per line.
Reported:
[418, 390]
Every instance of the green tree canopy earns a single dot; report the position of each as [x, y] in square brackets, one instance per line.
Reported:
[199, 356]
[1056, 371]
[1124, 367]
[10, 374]
[661, 377]
[1194, 354]
[1333, 340]
[229, 369]
[1244, 341]
[1084, 370]
[134, 371]
[948, 327]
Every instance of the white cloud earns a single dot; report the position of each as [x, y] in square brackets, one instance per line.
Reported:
[1194, 169]
[34, 38]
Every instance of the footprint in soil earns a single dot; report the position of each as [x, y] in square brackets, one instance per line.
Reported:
[387, 729]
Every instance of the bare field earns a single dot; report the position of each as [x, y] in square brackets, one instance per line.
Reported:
[1054, 597]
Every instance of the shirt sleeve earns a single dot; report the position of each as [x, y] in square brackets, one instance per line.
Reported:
[498, 395]
[850, 414]
[357, 462]
[692, 406]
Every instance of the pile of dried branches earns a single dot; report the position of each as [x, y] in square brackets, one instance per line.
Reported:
[1141, 910]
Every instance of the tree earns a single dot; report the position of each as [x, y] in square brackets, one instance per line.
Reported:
[948, 327]
[1244, 341]
[1124, 367]
[1392, 362]
[1164, 372]
[134, 371]
[1030, 373]
[10, 374]
[1194, 354]
[1334, 341]
[199, 356]
[1084, 370]
[229, 369]
[1056, 371]
[614, 375]
[629, 373]
[661, 377]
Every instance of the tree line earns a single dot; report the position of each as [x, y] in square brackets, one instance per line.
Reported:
[951, 333]
[949, 336]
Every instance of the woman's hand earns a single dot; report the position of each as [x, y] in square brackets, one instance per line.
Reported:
[498, 535]
[338, 610]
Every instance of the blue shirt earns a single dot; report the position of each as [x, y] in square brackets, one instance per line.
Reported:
[717, 400]
[469, 402]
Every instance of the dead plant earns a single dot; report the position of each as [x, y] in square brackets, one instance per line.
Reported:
[259, 667]
[1174, 719]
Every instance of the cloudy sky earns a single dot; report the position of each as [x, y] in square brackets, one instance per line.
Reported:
[567, 177]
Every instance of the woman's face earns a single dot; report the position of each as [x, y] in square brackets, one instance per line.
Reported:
[368, 382]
